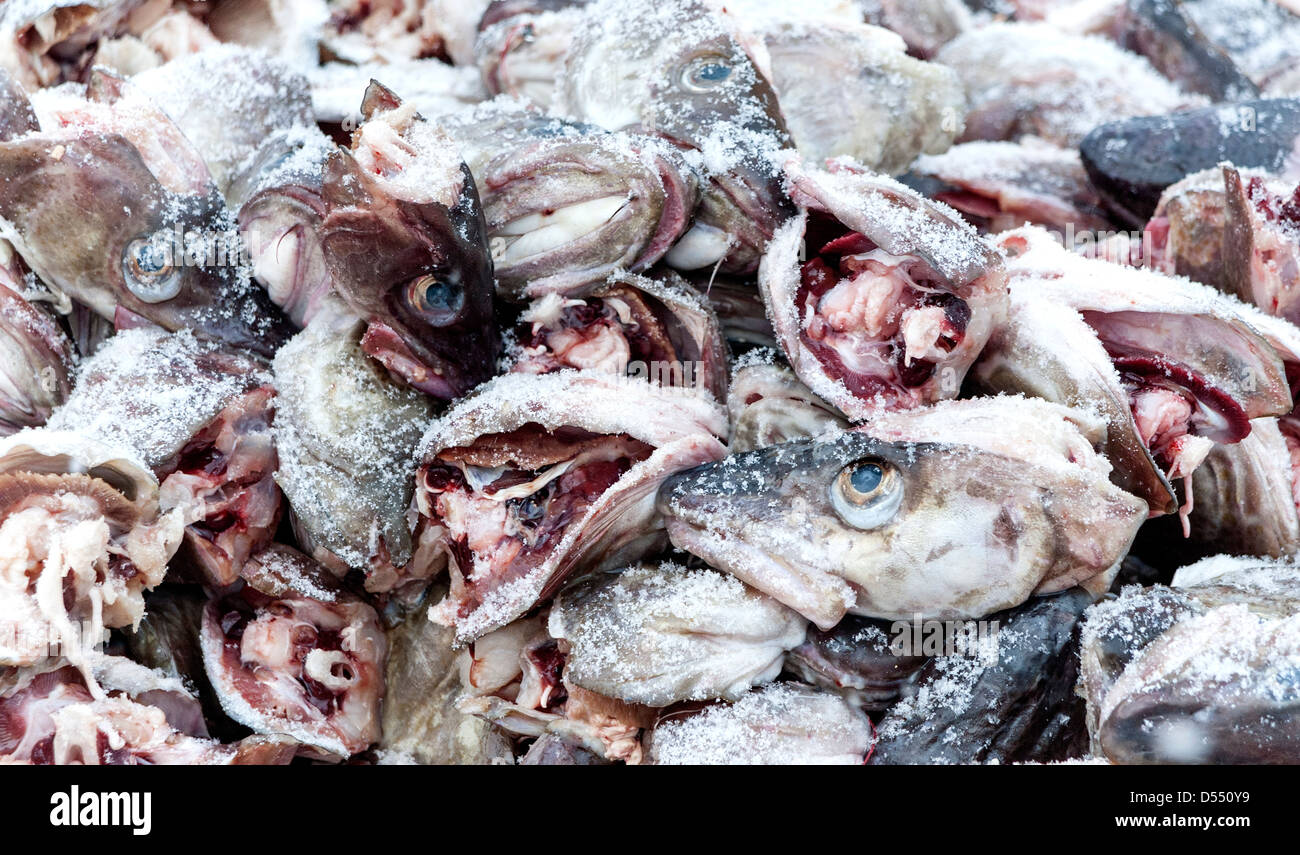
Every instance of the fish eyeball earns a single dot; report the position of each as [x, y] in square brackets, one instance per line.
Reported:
[439, 299]
[866, 494]
[150, 271]
[706, 72]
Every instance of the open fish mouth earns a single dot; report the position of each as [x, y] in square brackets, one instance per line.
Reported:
[871, 318]
[635, 326]
[526, 498]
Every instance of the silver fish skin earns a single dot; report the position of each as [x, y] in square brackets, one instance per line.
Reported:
[879, 297]
[347, 435]
[886, 108]
[1046, 350]
[878, 520]
[422, 685]
[776, 725]
[661, 634]
[521, 46]
[678, 70]
[568, 205]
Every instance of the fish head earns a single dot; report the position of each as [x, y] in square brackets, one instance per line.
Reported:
[405, 242]
[566, 203]
[91, 219]
[676, 70]
[888, 529]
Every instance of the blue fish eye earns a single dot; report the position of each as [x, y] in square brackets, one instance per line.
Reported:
[713, 71]
[438, 298]
[706, 73]
[150, 259]
[867, 494]
[867, 477]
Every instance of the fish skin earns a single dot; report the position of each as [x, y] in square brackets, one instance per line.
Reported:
[44, 187]
[1033, 714]
[1132, 161]
[1161, 31]
[766, 516]
[378, 247]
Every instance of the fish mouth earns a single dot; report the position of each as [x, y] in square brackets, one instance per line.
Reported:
[877, 322]
[612, 212]
[738, 214]
[820, 597]
[533, 234]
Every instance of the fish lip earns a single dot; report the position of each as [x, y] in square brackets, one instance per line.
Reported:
[824, 607]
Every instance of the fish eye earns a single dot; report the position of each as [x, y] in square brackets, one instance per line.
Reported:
[437, 298]
[706, 72]
[148, 271]
[866, 494]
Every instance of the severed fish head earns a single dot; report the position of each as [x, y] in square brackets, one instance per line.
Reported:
[291, 653]
[567, 204]
[538, 479]
[635, 326]
[885, 108]
[955, 510]
[111, 206]
[36, 361]
[678, 70]
[895, 299]
[406, 246]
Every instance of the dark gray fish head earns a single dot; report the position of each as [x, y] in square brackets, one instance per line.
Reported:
[91, 219]
[1163, 32]
[889, 529]
[406, 244]
[1132, 161]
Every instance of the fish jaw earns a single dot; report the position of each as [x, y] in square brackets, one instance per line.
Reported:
[564, 214]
